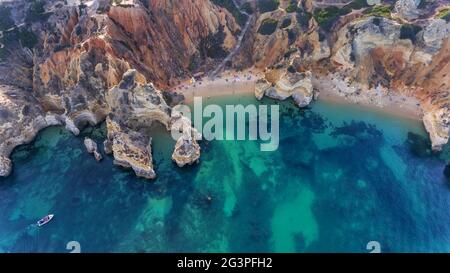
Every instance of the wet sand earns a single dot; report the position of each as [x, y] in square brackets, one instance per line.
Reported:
[396, 105]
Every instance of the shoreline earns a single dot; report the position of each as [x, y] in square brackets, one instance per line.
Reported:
[225, 84]
[392, 108]
[233, 83]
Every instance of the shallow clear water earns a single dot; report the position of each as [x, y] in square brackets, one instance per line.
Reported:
[342, 176]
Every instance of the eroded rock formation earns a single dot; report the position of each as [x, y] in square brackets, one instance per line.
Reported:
[92, 148]
[78, 64]
[407, 9]
[290, 84]
[81, 50]
[134, 107]
[187, 150]
[368, 51]
[374, 52]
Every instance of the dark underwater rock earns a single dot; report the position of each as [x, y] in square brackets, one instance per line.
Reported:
[447, 172]
[419, 145]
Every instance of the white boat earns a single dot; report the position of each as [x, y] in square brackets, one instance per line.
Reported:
[45, 220]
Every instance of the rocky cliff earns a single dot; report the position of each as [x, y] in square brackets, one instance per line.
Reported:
[134, 108]
[393, 46]
[376, 52]
[76, 63]
[60, 58]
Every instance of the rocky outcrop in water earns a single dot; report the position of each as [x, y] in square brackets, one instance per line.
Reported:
[134, 107]
[91, 147]
[187, 150]
[290, 84]
[366, 51]
[68, 65]
[377, 52]
[57, 65]
[131, 149]
[21, 118]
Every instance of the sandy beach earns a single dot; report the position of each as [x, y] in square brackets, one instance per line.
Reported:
[393, 104]
[243, 82]
[227, 83]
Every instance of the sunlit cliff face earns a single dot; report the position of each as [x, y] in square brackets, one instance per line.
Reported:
[65, 57]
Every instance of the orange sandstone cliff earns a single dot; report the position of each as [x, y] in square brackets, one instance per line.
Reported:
[76, 63]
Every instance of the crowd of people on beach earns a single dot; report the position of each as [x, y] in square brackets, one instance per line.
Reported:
[232, 79]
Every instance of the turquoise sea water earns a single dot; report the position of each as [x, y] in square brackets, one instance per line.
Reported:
[342, 176]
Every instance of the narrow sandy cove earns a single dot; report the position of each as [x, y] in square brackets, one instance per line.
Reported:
[244, 82]
[228, 83]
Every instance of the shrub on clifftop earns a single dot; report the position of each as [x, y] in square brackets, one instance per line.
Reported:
[379, 11]
[358, 4]
[268, 5]
[268, 26]
[36, 12]
[286, 22]
[247, 7]
[326, 17]
[409, 32]
[444, 14]
[293, 6]
[231, 7]
[5, 19]
[303, 18]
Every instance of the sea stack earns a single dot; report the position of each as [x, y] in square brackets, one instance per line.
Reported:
[187, 150]
[134, 109]
[91, 147]
[290, 84]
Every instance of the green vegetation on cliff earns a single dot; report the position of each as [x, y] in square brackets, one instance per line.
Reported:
[292, 35]
[11, 35]
[268, 26]
[27, 38]
[444, 14]
[409, 31]
[286, 22]
[247, 7]
[5, 23]
[231, 7]
[11, 39]
[36, 12]
[379, 11]
[5, 19]
[303, 18]
[327, 16]
[268, 5]
[358, 4]
[211, 46]
[293, 6]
